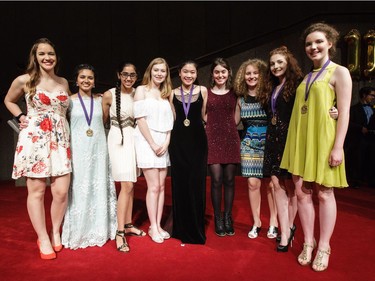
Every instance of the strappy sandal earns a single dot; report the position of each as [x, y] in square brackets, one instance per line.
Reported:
[141, 233]
[302, 258]
[317, 264]
[124, 247]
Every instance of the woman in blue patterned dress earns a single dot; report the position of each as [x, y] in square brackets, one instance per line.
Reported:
[248, 84]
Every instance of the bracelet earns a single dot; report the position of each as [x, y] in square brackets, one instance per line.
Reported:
[19, 116]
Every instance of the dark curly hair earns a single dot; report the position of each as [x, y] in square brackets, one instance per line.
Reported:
[293, 76]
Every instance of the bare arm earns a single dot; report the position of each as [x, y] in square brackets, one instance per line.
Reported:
[15, 92]
[204, 95]
[342, 83]
[172, 106]
[106, 104]
[142, 123]
[237, 113]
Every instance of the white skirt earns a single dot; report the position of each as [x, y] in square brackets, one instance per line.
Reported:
[146, 157]
[123, 160]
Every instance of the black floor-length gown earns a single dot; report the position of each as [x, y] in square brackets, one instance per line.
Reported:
[188, 154]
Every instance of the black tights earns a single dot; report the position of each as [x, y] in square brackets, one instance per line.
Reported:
[222, 174]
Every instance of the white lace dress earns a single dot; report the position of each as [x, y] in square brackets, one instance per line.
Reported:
[122, 156]
[90, 219]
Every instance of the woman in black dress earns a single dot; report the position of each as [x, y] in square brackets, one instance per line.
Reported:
[188, 154]
[284, 75]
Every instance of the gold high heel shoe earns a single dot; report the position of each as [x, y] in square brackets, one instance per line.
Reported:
[317, 264]
[302, 258]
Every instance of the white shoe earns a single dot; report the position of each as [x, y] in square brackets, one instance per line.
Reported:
[272, 232]
[164, 234]
[253, 233]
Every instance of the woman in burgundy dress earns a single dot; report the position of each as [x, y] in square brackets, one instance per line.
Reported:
[223, 143]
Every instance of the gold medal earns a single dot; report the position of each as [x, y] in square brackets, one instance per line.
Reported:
[89, 132]
[273, 120]
[304, 109]
[186, 122]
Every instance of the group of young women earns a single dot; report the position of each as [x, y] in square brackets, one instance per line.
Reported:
[291, 135]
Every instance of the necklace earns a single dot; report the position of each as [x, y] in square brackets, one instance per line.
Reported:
[186, 106]
[89, 131]
[274, 96]
[308, 85]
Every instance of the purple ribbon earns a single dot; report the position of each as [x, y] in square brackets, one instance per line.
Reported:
[274, 97]
[308, 85]
[84, 108]
[186, 106]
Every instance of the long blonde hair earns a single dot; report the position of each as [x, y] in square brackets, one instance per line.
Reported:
[166, 86]
[33, 68]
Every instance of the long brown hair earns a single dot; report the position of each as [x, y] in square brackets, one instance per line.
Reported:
[293, 76]
[33, 68]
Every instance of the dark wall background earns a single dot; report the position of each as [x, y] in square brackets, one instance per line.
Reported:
[105, 33]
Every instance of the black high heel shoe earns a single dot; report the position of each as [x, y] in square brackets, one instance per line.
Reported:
[293, 229]
[284, 249]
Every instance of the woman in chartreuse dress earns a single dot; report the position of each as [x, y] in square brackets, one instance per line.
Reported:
[314, 148]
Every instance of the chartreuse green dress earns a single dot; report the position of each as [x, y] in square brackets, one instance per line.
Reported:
[311, 134]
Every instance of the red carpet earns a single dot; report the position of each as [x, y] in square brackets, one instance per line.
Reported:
[227, 258]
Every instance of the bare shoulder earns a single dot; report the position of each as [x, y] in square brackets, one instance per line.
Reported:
[107, 97]
[341, 74]
[19, 84]
[203, 91]
[107, 94]
[342, 70]
[20, 81]
[62, 81]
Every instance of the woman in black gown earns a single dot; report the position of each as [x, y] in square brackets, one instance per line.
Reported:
[188, 154]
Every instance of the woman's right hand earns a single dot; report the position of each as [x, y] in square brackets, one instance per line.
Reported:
[334, 113]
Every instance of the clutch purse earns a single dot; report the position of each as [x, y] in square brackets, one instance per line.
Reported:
[13, 123]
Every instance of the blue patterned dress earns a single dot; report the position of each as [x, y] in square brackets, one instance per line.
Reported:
[254, 120]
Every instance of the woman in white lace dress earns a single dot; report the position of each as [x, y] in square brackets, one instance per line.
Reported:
[90, 219]
[154, 116]
[118, 107]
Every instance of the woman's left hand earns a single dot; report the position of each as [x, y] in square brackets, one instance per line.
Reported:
[336, 157]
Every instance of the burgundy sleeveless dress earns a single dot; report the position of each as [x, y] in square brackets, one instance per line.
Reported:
[222, 135]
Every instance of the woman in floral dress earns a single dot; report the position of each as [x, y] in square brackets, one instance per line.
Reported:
[43, 149]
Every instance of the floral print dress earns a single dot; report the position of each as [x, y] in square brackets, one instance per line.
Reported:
[43, 148]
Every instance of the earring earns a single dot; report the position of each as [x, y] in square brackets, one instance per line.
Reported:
[93, 86]
[77, 84]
